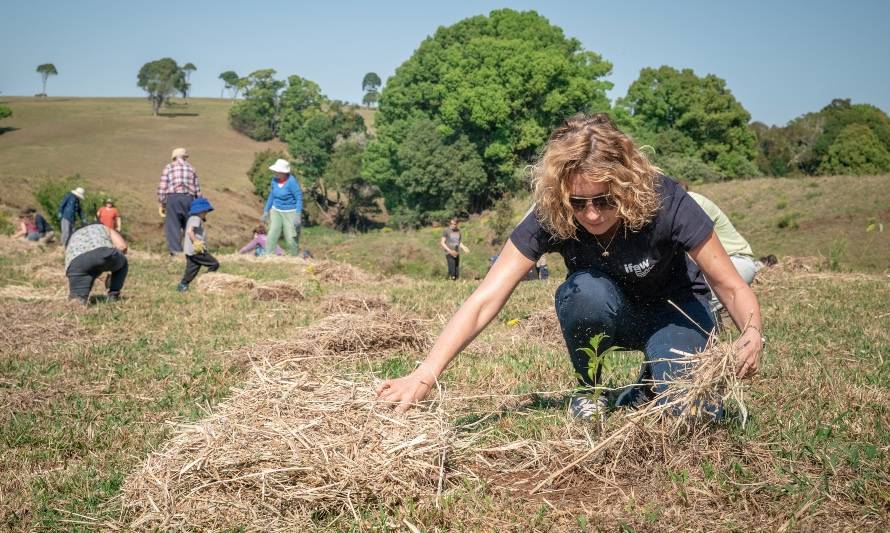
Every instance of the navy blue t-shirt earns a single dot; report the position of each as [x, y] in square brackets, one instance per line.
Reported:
[649, 265]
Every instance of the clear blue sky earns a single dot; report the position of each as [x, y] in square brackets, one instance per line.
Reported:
[780, 58]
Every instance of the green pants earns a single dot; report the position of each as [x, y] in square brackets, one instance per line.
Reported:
[286, 222]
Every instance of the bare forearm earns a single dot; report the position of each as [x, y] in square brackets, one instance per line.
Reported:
[472, 317]
[741, 303]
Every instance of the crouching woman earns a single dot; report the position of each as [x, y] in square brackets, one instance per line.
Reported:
[93, 250]
[634, 243]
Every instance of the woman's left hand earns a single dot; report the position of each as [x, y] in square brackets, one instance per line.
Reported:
[749, 348]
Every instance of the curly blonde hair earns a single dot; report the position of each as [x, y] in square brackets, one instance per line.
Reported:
[591, 146]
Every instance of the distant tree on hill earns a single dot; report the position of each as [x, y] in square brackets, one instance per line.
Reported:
[495, 84]
[161, 79]
[46, 70]
[371, 85]
[187, 69]
[5, 112]
[686, 116]
[371, 97]
[230, 80]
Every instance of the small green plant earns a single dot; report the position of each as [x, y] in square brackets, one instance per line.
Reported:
[597, 359]
[788, 221]
[836, 252]
[782, 204]
[49, 195]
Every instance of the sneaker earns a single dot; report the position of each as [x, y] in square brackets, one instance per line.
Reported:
[113, 296]
[80, 300]
[182, 287]
[635, 397]
[586, 408]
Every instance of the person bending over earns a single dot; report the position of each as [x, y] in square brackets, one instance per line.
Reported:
[633, 242]
[93, 250]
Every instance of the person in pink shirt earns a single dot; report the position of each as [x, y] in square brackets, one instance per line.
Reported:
[258, 244]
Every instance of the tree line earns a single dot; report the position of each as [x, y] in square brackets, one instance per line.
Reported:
[464, 115]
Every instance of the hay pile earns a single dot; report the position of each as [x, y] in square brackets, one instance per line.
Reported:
[219, 283]
[336, 272]
[287, 448]
[665, 430]
[280, 291]
[350, 335]
[350, 302]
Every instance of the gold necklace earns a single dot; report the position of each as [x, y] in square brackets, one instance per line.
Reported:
[606, 247]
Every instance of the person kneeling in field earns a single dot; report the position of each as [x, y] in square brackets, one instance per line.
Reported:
[93, 250]
[194, 244]
[633, 242]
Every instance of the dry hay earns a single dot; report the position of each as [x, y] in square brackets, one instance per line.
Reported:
[19, 246]
[336, 272]
[287, 448]
[543, 326]
[353, 303]
[219, 283]
[347, 334]
[29, 293]
[253, 259]
[281, 291]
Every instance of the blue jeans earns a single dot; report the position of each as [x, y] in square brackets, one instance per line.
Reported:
[589, 303]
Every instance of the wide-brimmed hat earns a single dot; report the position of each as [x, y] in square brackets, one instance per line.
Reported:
[281, 165]
[200, 205]
[179, 152]
[79, 192]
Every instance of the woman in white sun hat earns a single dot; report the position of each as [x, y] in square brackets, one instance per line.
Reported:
[284, 208]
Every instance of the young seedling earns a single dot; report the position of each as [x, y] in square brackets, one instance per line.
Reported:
[597, 359]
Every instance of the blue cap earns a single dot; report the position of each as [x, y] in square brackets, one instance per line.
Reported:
[200, 205]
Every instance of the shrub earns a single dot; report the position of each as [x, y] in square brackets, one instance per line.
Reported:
[49, 195]
[254, 119]
[501, 220]
[259, 174]
[856, 151]
[690, 168]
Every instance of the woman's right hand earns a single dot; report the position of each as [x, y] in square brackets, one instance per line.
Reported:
[404, 392]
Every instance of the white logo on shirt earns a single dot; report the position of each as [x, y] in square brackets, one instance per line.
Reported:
[640, 269]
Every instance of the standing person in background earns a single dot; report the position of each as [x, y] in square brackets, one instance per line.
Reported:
[70, 209]
[92, 250]
[450, 242]
[736, 246]
[176, 190]
[109, 216]
[194, 244]
[284, 208]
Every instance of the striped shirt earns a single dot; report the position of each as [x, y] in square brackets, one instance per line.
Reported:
[178, 177]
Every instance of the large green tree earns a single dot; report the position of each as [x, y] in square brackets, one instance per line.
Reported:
[371, 85]
[857, 151]
[496, 84]
[161, 79]
[686, 116]
[230, 81]
[46, 70]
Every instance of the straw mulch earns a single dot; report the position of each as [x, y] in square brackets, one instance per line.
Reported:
[350, 335]
[353, 303]
[26, 292]
[281, 291]
[336, 272]
[219, 283]
[287, 449]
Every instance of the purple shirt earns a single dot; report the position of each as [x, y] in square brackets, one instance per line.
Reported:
[258, 240]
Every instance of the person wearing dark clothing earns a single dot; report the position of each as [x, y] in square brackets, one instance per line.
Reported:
[70, 209]
[633, 243]
[194, 244]
[176, 190]
[450, 243]
[93, 250]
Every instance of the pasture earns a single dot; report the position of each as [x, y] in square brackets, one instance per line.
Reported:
[219, 408]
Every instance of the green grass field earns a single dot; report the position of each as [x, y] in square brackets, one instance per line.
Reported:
[87, 394]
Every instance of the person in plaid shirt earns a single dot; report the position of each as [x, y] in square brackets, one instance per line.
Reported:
[176, 190]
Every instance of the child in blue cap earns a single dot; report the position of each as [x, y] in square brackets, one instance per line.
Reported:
[194, 244]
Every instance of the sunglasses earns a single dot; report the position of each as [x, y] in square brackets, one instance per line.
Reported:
[600, 202]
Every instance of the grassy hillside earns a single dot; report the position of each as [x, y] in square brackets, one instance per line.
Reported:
[117, 146]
